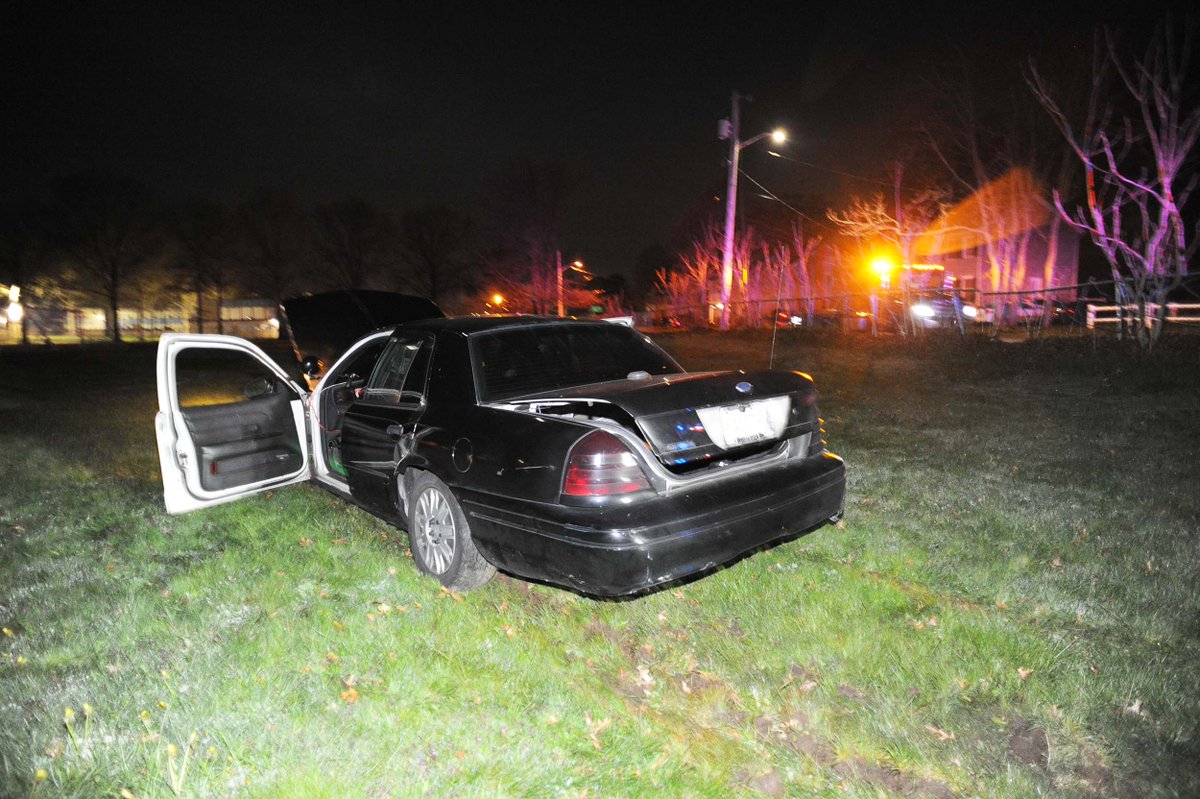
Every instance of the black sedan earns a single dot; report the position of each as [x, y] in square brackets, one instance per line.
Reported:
[573, 453]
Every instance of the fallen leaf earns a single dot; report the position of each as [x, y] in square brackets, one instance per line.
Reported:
[1057, 562]
[595, 728]
[1023, 673]
[349, 696]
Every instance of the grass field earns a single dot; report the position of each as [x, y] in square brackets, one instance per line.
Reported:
[1009, 608]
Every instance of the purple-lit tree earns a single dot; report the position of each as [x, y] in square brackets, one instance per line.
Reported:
[700, 266]
[1134, 145]
[533, 199]
[1001, 158]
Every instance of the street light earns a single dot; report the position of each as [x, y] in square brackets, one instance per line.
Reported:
[730, 129]
[576, 266]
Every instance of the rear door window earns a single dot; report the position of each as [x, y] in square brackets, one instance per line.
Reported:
[400, 373]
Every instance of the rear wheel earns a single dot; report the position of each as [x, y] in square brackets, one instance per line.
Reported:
[440, 538]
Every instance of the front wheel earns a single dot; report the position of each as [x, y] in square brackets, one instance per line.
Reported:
[440, 538]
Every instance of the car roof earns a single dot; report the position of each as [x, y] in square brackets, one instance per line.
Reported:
[469, 325]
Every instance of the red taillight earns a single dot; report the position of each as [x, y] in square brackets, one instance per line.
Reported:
[600, 465]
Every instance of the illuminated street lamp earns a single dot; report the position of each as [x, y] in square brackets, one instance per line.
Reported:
[730, 129]
[576, 266]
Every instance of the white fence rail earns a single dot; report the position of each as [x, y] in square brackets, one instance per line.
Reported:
[1112, 314]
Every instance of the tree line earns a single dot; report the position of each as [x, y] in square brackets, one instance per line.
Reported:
[101, 240]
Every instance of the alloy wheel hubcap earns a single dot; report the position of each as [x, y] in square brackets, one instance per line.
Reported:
[435, 536]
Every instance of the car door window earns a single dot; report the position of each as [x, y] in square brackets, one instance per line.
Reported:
[205, 377]
[399, 375]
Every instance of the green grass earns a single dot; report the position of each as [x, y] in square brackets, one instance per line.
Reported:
[1009, 607]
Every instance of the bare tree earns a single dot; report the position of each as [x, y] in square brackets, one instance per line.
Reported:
[998, 157]
[434, 242]
[534, 200]
[897, 225]
[273, 235]
[104, 228]
[803, 248]
[1134, 146]
[355, 241]
[202, 237]
[700, 264]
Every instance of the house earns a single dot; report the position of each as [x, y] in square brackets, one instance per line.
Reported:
[1005, 240]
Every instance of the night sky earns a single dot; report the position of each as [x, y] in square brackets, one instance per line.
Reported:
[406, 106]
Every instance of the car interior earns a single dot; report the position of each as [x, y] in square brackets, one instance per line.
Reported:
[240, 422]
[341, 390]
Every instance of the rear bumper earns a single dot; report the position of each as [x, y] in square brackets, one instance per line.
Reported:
[622, 550]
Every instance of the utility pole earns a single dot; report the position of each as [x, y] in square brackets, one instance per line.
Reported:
[558, 265]
[730, 129]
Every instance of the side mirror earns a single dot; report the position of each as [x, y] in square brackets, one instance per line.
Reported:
[310, 365]
[259, 387]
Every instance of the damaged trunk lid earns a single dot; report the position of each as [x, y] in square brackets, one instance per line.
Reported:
[692, 419]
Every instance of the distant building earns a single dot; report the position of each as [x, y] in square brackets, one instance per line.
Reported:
[1004, 238]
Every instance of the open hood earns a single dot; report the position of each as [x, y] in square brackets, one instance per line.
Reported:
[326, 324]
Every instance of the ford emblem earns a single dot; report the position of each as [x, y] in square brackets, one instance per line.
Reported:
[744, 387]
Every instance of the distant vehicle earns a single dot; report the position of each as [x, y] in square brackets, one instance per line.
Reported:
[941, 309]
[568, 452]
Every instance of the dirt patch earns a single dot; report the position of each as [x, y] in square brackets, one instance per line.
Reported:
[624, 643]
[699, 682]
[1095, 774]
[1028, 744]
[891, 779]
[850, 692]
[793, 734]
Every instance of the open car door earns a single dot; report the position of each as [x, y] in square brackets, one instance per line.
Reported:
[230, 422]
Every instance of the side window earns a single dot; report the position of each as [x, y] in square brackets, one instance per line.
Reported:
[399, 375]
[206, 376]
[362, 364]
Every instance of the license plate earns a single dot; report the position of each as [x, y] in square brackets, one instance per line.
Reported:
[745, 423]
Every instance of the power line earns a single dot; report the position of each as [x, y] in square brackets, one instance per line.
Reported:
[827, 169]
[771, 195]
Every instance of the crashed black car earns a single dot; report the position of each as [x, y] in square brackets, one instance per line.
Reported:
[573, 453]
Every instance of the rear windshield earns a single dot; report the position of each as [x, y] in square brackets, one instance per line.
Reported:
[532, 360]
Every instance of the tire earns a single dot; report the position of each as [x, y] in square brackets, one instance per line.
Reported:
[440, 538]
